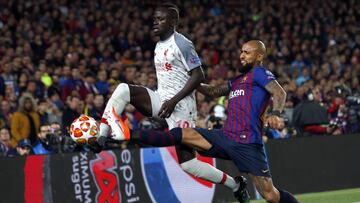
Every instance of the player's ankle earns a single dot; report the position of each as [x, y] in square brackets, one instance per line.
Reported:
[104, 129]
[237, 186]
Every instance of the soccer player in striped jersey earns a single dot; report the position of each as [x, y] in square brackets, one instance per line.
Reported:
[179, 73]
[241, 138]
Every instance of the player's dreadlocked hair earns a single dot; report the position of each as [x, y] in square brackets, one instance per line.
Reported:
[172, 10]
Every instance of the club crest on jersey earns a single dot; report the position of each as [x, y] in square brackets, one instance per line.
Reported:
[244, 79]
[167, 66]
[236, 93]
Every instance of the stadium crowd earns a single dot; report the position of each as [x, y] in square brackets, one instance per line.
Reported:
[60, 59]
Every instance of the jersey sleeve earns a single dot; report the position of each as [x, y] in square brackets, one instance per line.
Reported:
[188, 53]
[262, 76]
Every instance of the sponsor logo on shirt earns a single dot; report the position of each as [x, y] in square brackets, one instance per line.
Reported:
[236, 93]
[162, 67]
[195, 60]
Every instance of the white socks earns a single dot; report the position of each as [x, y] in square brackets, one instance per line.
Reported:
[118, 100]
[207, 172]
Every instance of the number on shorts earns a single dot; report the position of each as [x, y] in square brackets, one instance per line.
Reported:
[183, 124]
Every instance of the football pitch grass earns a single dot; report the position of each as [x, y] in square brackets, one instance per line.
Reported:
[337, 196]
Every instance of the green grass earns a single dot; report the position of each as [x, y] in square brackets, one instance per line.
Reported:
[338, 196]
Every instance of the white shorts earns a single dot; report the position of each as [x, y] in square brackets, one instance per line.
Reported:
[183, 116]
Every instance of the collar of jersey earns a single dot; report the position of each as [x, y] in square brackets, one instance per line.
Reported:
[168, 39]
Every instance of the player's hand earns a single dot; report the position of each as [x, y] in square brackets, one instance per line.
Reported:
[167, 108]
[274, 122]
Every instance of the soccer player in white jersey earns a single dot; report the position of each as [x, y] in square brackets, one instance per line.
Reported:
[179, 73]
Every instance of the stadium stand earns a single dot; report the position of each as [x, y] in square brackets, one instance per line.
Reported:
[64, 54]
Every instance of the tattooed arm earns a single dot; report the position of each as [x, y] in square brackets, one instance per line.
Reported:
[278, 94]
[279, 98]
[214, 91]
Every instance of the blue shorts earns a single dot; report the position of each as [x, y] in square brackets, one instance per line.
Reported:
[248, 158]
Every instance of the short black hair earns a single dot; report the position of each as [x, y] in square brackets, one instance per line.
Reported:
[172, 10]
[90, 74]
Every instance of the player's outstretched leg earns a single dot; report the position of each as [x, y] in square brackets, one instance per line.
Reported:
[193, 166]
[267, 190]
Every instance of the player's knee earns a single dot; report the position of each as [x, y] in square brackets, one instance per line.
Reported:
[191, 167]
[188, 134]
[122, 91]
[194, 139]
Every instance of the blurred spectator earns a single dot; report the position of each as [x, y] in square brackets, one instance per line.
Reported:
[88, 85]
[152, 82]
[22, 83]
[97, 110]
[60, 142]
[23, 148]
[55, 100]
[5, 140]
[298, 64]
[3, 149]
[25, 122]
[2, 86]
[72, 84]
[34, 89]
[130, 74]
[55, 128]
[8, 75]
[277, 134]
[102, 83]
[303, 77]
[42, 111]
[310, 117]
[11, 96]
[65, 76]
[43, 143]
[89, 103]
[71, 112]
[5, 113]
[344, 111]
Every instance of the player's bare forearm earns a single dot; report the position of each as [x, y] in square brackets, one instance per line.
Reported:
[213, 91]
[278, 94]
[197, 76]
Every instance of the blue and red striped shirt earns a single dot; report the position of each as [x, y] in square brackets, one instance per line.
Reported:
[248, 100]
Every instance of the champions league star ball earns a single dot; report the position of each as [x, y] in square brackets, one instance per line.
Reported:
[84, 130]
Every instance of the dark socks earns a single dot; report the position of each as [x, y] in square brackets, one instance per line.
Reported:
[286, 197]
[157, 138]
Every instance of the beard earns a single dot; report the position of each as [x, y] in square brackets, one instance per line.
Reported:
[245, 68]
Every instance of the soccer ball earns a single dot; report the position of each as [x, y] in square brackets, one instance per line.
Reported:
[84, 130]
